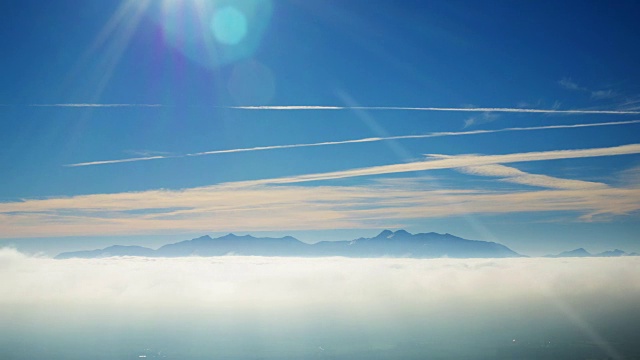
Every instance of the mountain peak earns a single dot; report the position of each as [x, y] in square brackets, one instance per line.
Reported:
[385, 234]
[229, 236]
[388, 234]
[612, 253]
[401, 233]
[579, 251]
[574, 253]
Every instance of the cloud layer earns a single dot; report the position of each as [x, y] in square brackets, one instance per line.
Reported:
[286, 204]
[297, 305]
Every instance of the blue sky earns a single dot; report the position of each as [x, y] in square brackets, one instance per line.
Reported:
[152, 87]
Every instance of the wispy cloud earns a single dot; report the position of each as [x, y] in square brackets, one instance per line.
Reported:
[483, 119]
[469, 122]
[454, 162]
[603, 94]
[281, 204]
[595, 94]
[355, 141]
[513, 175]
[288, 207]
[628, 178]
[630, 103]
[567, 83]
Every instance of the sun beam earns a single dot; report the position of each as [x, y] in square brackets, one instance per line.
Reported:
[113, 39]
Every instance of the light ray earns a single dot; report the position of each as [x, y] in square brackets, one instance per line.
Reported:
[114, 37]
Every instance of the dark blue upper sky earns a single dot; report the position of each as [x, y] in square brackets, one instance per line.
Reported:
[552, 188]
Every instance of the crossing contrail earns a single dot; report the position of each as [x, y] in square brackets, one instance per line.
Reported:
[355, 141]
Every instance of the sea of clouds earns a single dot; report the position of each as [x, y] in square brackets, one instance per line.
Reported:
[269, 307]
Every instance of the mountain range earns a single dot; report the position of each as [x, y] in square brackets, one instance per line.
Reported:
[386, 244]
[580, 252]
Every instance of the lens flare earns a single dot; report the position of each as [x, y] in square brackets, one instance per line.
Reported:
[215, 34]
[229, 25]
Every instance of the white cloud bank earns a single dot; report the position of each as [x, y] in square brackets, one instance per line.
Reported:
[335, 303]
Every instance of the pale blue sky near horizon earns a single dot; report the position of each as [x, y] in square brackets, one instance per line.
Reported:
[174, 72]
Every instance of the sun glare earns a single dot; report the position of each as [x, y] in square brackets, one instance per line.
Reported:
[214, 33]
[229, 25]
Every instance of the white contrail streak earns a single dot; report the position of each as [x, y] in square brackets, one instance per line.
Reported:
[96, 105]
[420, 136]
[396, 108]
[104, 162]
[355, 141]
[274, 147]
[474, 109]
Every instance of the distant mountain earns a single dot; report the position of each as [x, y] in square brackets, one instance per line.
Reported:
[573, 253]
[613, 253]
[235, 245]
[404, 244]
[386, 244]
[584, 253]
[115, 250]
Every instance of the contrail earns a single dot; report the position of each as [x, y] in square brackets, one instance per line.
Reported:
[96, 105]
[507, 110]
[355, 141]
[274, 147]
[104, 162]
[420, 136]
[396, 108]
